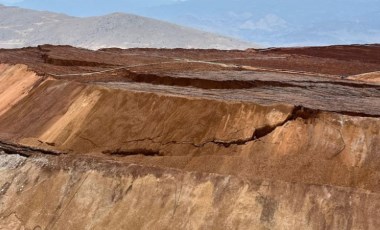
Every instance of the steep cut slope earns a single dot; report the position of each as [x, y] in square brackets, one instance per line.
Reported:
[21, 27]
[90, 193]
[174, 140]
[15, 83]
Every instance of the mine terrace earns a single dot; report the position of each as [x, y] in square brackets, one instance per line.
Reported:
[279, 138]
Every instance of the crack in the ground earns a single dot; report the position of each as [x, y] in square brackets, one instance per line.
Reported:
[131, 152]
[167, 80]
[25, 151]
[87, 139]
[258, 134]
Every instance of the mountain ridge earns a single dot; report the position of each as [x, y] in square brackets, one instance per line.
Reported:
[23, 27]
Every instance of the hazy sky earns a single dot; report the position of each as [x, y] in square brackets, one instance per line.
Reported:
[269, 22]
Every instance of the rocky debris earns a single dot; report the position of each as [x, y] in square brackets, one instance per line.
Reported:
[196, 138]
[102, 194]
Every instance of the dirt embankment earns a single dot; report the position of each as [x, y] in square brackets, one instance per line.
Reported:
[15, 82]
[82, 192]
[176, 131]
[143, 147]
[373, 77]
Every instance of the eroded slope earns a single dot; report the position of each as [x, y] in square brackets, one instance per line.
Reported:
[117, 134]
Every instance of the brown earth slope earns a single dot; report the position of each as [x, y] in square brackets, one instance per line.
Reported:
[189, 139]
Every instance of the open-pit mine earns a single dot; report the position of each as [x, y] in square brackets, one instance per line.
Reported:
[281, 138]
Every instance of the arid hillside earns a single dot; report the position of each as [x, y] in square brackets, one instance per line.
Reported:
[21, 27]
[190, 139]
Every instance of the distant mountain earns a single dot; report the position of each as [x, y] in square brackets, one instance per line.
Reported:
[266, 22]
[22, 27]
[279, 22]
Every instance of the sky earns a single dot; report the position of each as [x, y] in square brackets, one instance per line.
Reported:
[266, 22]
